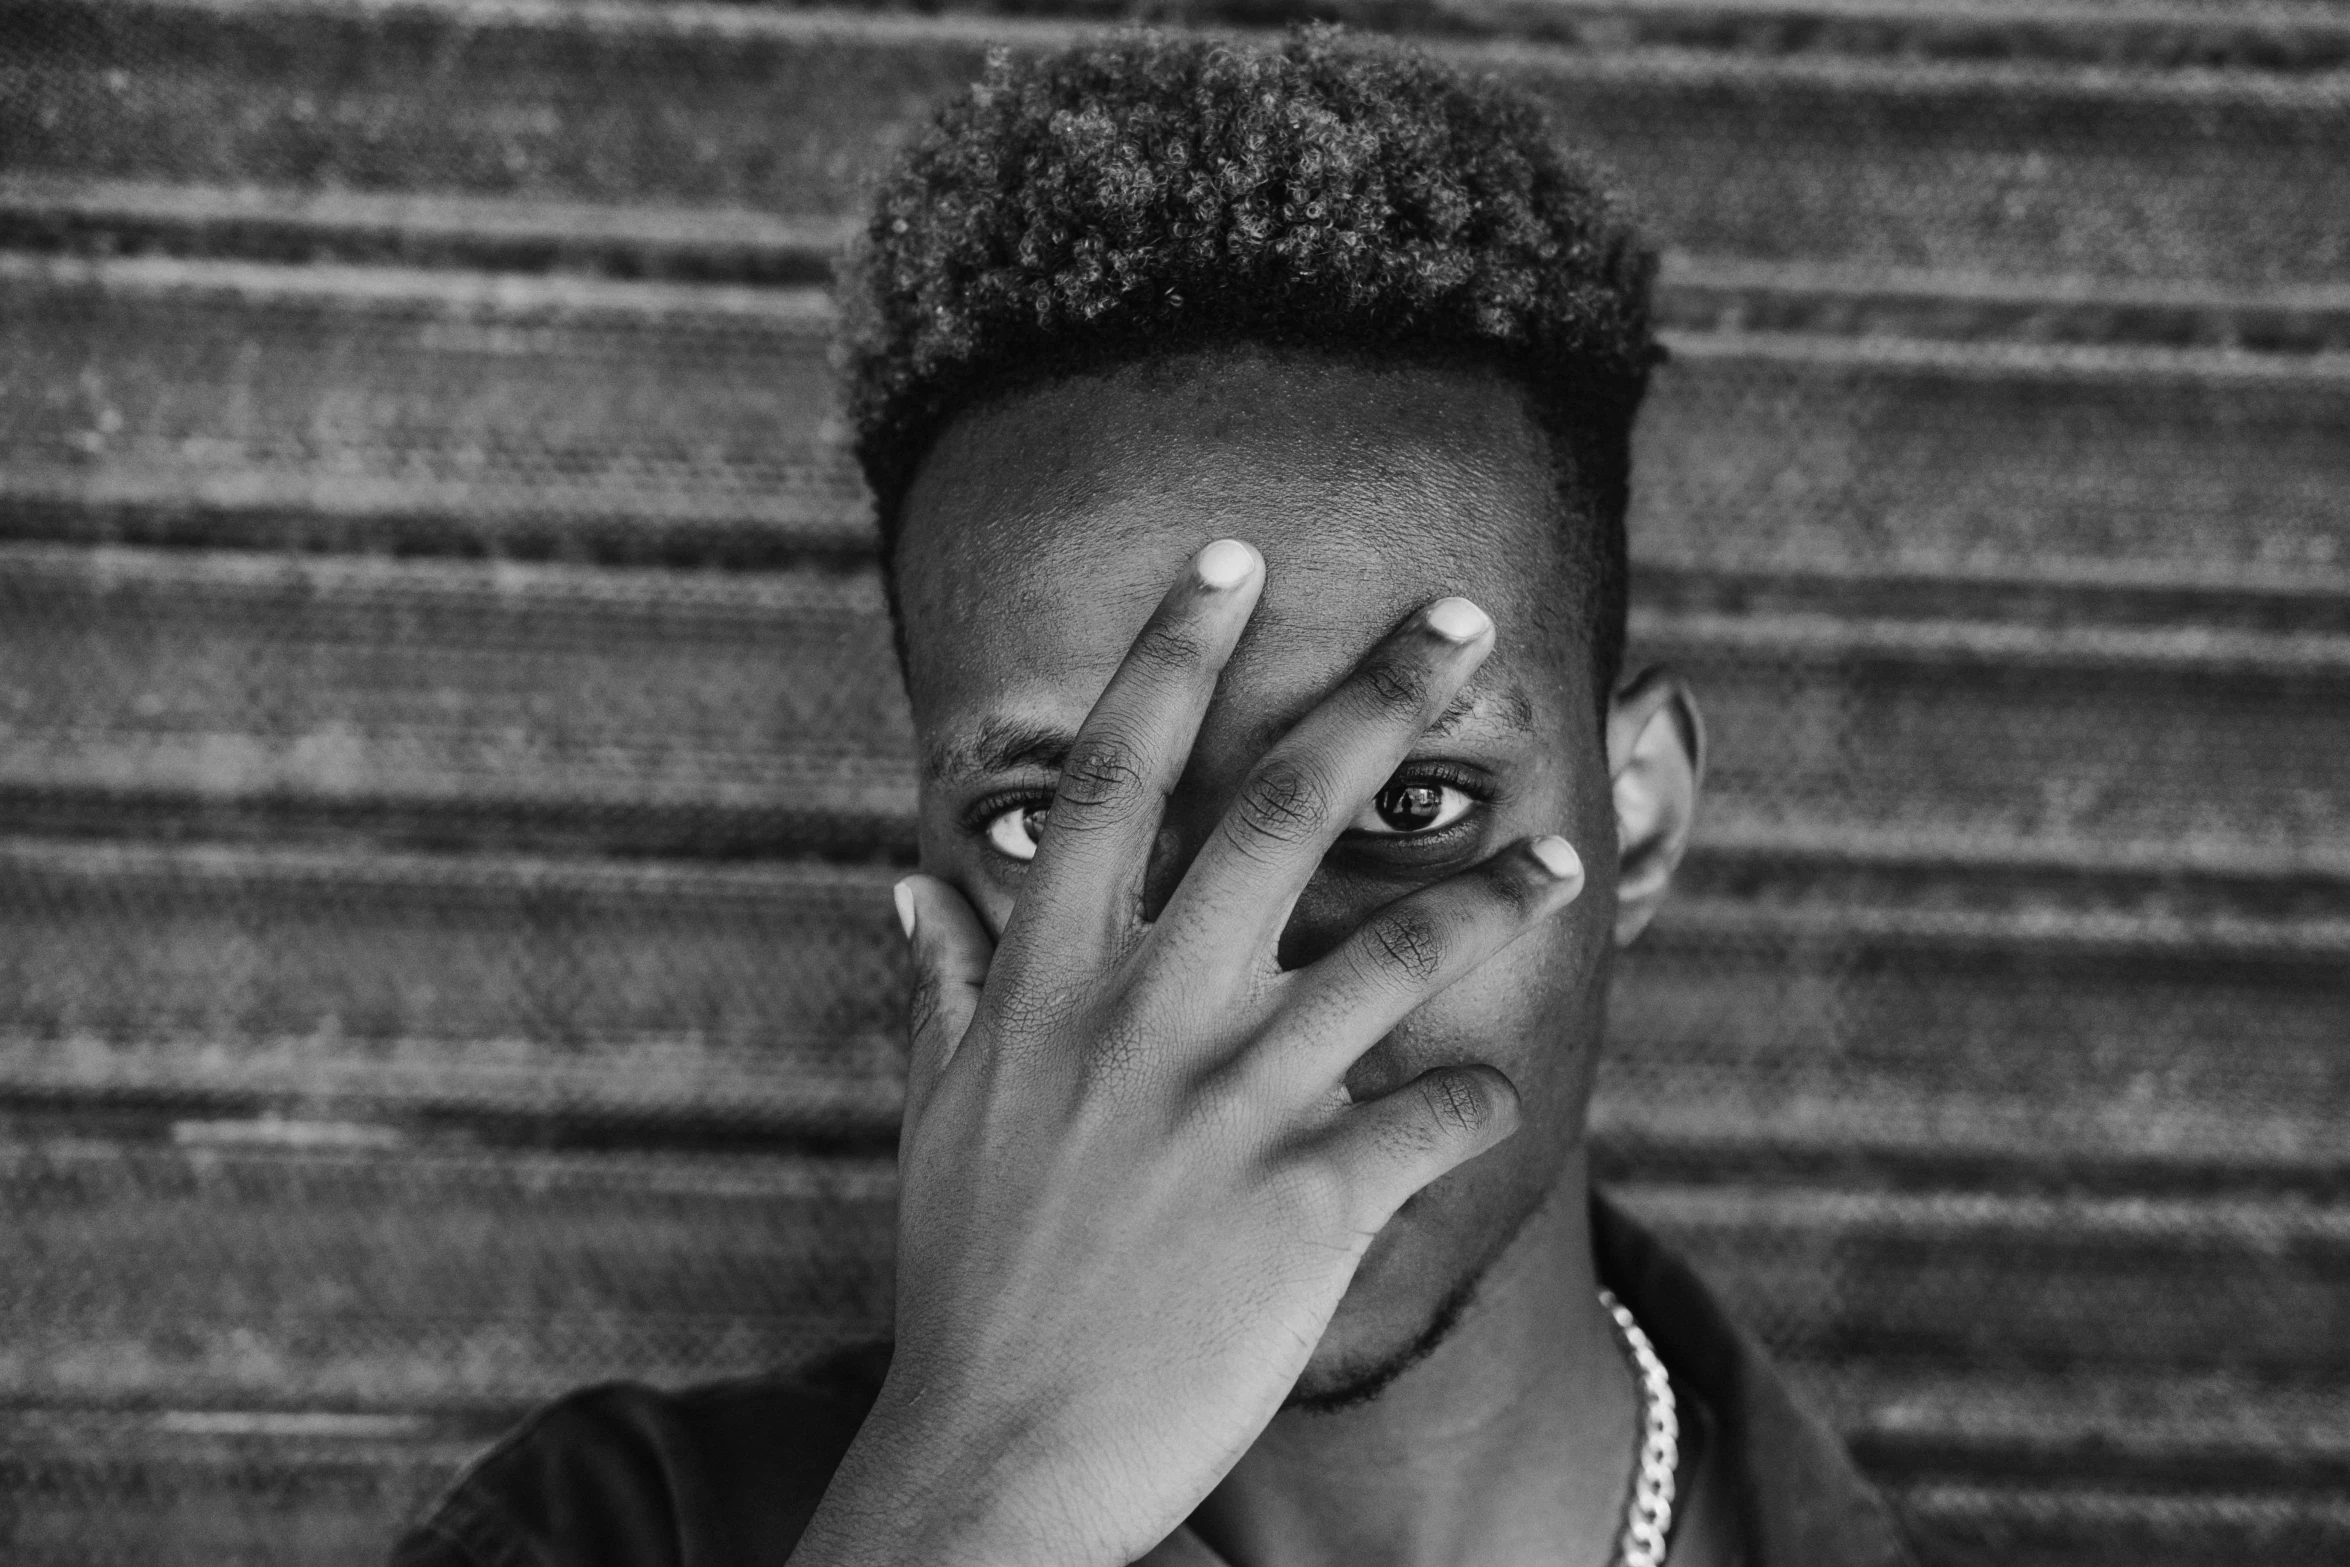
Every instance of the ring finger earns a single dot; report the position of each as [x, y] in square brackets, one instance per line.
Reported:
[1412, 949]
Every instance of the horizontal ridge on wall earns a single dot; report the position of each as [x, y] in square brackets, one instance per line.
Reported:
[655, 711]
[1975, 1026]
[214, 402]
[455, 962]
[2194, 174]
[102, 218]
[443, 1277]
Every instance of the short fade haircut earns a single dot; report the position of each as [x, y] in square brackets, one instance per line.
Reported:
[1143, 195]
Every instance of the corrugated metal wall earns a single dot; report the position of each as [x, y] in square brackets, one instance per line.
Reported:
[451, 765]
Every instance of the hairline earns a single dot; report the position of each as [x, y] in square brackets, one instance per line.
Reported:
[1571, 504]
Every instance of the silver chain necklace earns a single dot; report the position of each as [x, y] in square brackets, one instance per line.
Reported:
[1650, 1517]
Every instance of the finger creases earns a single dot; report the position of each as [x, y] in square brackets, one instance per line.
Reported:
[1300, 795]
[1104, 776]
[1395, 1145]
[1413, 949]
[1127, 755]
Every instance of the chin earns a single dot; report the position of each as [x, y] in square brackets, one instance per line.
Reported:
[1341, 1377]
[1417, 1282]
[1407, 1297]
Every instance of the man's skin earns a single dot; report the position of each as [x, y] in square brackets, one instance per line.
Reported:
[1218, 1101]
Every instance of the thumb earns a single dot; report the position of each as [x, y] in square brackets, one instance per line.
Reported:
[950, 951]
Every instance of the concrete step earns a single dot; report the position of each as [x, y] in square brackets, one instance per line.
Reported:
[388, 408]
[2039, 164]
[2151, 1033]
[652, 710]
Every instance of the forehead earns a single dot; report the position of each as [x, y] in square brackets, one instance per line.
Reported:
[1042, 529]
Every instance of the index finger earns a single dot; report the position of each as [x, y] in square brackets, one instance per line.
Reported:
[1084, 889]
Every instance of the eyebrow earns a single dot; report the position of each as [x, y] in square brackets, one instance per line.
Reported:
[1000, 745]
[1003, 745]
[1507, 706]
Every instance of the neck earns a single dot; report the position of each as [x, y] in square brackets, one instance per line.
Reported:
[1512, 1443]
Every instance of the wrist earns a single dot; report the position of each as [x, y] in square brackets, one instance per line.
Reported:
[916, 1488]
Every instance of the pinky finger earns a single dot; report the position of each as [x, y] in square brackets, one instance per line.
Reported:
[1393, 1146]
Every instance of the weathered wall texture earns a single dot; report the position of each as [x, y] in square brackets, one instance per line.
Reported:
[451, 766]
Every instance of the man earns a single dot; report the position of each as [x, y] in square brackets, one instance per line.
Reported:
[1250, 437]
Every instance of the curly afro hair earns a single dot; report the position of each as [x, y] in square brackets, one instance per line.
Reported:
[1142, 195]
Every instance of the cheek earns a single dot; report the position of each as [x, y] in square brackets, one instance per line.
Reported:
[970, 869]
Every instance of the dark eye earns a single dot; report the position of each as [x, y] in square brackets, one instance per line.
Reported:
[1411, 807]
[1015, 831]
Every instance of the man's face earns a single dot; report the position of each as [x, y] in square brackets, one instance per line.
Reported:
[1039, 535]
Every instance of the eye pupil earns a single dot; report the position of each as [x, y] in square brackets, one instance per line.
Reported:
[1032, 822]
[1408, 807]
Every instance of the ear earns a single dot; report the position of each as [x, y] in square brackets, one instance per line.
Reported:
[1655, 763]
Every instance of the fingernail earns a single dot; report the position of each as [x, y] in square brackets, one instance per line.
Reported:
[903, 895]
[1458, 620]
[1558, 857]
[1225, 564]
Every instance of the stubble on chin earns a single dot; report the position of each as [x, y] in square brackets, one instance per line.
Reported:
[1353, 1383]
[1349, 1384]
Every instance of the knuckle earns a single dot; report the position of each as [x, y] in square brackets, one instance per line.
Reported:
[1226, 1102]
[1100, 774]
[1317, 1189]
[1406, 945]
[1279, 807]
[1398, 681]
[925, 1005]
[1026, 1011]
[1321, 1022]
[1122, 1043]
[1458, 1104]
[1170, 647]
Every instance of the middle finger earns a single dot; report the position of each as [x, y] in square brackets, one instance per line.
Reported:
[1084, 891]
[1236, 896]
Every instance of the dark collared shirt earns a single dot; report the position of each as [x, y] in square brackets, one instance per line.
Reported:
[729, 1473]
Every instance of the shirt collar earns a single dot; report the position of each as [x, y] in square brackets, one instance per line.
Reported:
[1800, 1500]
